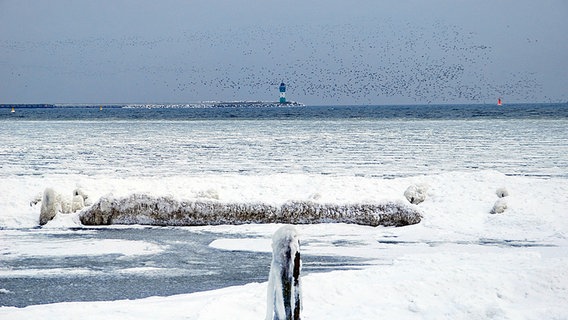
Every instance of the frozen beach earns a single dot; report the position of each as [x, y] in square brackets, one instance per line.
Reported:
[459, 262]
[154, 155]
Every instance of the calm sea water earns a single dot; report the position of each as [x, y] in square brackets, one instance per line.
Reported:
[441, 112]
[372, 141]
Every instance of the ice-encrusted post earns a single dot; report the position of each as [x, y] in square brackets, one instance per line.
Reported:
[284, 287]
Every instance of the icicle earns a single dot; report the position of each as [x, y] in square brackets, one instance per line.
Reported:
[284, 286]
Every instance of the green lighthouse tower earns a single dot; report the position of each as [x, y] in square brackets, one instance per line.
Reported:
[282, 92]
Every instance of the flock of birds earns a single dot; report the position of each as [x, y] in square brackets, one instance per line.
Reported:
[362, 63]
[357, 63]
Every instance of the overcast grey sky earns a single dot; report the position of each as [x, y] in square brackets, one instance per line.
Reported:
[328, 52]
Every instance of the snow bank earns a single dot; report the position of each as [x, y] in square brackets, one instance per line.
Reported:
[166, 211]
[20, 201]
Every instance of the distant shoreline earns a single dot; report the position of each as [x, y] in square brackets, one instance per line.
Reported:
[203, 104]
[245, 104]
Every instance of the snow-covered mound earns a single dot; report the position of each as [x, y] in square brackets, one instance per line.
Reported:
[166, 211]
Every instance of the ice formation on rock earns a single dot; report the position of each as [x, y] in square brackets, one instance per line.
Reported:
[53, 202]
[416, 193]
[502, 193]
[499, 206]
[284, 296]
[49, 206]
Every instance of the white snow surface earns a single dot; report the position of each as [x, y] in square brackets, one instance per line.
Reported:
[459, 262]
[27, 246]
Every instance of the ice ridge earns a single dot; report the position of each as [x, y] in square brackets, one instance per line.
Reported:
[165, 211]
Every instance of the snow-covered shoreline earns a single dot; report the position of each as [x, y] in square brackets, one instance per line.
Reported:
[459, 262]
[448, 281]
[450, 198]
[22, 211]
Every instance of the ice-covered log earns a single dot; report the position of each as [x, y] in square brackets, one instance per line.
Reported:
[165, 211]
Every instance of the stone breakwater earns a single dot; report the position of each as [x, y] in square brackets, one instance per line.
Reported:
[165, 211]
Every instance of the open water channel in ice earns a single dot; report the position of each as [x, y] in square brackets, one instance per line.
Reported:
[144, 262]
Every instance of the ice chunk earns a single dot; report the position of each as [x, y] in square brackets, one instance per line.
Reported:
[499, 206]
[416, 193]
[502, 193]
[49, 206]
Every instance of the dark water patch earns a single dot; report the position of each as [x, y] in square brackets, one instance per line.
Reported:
[187, 264]
[346, 243]
[248, 112]
[327, 263]
[480, 242]
[513, 243]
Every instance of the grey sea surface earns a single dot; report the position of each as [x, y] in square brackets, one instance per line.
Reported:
[384, 148]
[185, 264]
